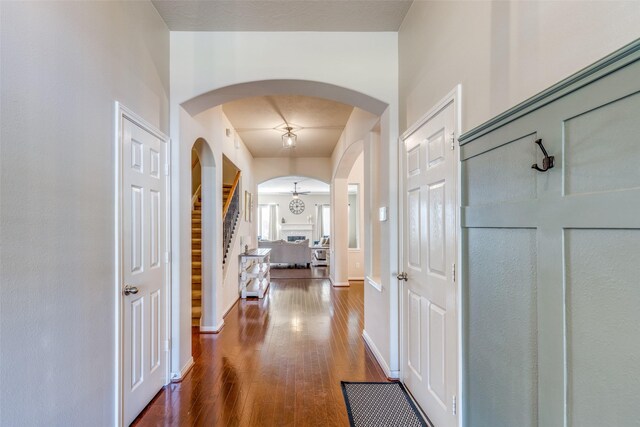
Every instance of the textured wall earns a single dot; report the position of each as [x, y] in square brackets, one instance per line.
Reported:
[502, 52]
[64, 64]
[551, 260]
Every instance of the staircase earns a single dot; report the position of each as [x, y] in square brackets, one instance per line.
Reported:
[196, 262]
[230, 215]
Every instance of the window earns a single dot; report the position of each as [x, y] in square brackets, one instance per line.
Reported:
[267, 217]
[326, 220]
[354, 216]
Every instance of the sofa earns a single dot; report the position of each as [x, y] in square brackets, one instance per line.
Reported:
[288, 252]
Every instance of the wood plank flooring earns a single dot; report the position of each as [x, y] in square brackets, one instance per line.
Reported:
[277, 362]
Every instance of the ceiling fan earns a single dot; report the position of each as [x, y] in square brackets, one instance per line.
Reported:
[296, 194]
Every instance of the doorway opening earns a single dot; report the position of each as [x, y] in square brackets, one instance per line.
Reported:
[294, 221]
[203, 229]
[257, 142]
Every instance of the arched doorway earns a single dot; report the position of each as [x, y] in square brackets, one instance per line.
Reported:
[371, 113]
[203, 232]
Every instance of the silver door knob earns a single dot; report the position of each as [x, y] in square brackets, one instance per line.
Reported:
[129, 290]
[402, 276]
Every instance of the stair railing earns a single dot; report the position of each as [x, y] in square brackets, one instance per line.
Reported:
[230, 213]
[195, 197]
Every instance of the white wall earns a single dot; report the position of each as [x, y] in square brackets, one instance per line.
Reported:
[220, 290]
[64, 64]
[282, 200]
[266, 168]
[502, 52]
[205, 63]
[356, 256]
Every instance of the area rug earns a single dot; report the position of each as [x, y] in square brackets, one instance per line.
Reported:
[374, 404]
[299, 273]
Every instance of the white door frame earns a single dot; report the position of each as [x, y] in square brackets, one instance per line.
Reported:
[122, 113]
[455, 96]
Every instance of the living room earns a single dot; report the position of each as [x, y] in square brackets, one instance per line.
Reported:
[295, 210]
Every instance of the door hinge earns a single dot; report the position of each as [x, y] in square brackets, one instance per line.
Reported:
[167, 257]
[453, 272]
[454, 405]
[453, 140]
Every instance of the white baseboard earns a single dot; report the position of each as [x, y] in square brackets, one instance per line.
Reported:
[230, 307]
[218, 327]
[383, 363]
[356, 278]
[212, 329]
[176, 377]
[340, 284]
[374, 283]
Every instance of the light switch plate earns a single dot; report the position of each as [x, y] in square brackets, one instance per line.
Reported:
[382, 214]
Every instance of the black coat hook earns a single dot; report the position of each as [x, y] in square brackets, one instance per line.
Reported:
[547, 162]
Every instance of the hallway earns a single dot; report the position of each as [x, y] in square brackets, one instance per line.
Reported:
[277, 362]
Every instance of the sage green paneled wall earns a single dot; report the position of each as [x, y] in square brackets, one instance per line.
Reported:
[552, 259]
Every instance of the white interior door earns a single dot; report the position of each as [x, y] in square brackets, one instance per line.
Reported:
[143, 240]
[430, 360]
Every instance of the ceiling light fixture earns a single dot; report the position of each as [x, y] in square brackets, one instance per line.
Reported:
[289, 139]
[295, 193]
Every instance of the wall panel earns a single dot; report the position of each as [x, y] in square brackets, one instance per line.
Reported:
[552, 259]
[501, 326]
[603, 337]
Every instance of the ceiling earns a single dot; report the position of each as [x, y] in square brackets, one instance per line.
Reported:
[284, 185]
[283, 15]
[260, 122]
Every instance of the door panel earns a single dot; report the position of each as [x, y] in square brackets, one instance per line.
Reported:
[414, 229]
[136, 342]
[437, 353]
[143, 246]
[436, 229]
[429, 366]
[414, 332]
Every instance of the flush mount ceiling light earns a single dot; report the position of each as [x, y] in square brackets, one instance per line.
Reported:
[289, 139]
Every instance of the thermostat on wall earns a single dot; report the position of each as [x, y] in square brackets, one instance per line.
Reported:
[382, 214]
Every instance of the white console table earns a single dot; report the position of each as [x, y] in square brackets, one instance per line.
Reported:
[254, 272]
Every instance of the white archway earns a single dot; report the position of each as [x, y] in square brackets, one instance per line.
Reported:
[209, 234]
[339, 269]
[316, 89]
[187, 116]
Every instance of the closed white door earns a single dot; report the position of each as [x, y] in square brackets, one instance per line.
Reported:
[143, 220]
[429, 254]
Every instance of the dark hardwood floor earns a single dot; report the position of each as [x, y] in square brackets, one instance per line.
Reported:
[277, 362]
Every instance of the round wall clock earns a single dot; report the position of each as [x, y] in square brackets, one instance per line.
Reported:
[296, 206]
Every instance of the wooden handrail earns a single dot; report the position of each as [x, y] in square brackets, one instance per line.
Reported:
[194, 199]
[233, 190]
